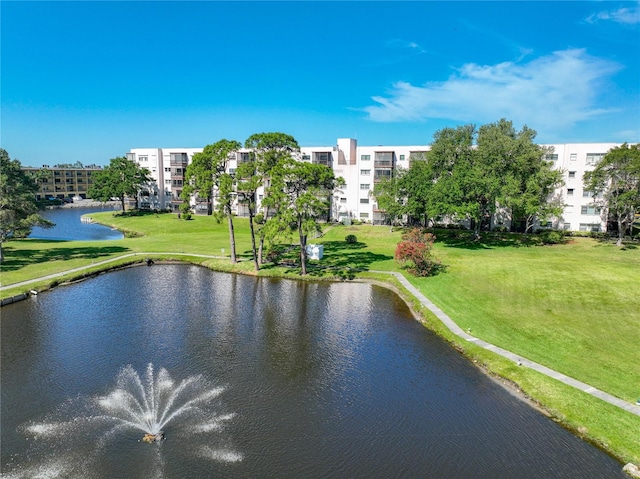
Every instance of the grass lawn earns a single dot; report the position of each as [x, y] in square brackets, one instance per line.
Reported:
[573, 307]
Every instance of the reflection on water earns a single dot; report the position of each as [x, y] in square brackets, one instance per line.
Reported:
[320, 380]
[70, 227]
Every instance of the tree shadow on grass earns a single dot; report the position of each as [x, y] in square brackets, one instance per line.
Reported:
[487, 240]
[340, 260]
[15, 259]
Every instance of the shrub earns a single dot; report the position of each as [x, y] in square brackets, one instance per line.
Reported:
[351, 239]
[186, 216]
[552, 236]
[413, 253]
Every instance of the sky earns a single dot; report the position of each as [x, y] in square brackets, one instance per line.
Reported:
[87, 81]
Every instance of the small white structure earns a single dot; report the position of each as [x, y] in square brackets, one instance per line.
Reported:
[315, 251]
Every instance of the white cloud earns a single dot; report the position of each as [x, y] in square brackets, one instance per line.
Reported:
[550, 92]
[626, 15]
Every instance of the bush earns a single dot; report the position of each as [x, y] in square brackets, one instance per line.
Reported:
[552, 236]
[351, 239]
[413, 253]
[186, 216]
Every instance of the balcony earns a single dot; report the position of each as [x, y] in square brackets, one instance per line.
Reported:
[322, 158]
[384, 159]
[179, 159]
[382, 174]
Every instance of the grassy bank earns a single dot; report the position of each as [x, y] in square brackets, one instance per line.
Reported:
[572, 307]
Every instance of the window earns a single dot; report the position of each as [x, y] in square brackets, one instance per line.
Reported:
[306, 157]
[572, 174]
[143, 158]
[365, 186]
[573, 157]
[167, 170]
[587, 194]
[593, 158]
[566, 226]
[365, 172]
[590, 210]
[365, 157]
[382, 174]
[551, 157]
[343, 200]
[364, 201]
[569, 191]
[593, 227]
[364, 216]
[401, 157]
[568, 208]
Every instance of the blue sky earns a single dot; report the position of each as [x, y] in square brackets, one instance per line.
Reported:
[87, 81]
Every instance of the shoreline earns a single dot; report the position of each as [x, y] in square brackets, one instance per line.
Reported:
[436, 325]
[87, 204]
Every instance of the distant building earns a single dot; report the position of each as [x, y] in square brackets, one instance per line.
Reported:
[59, 182]
[362, 167]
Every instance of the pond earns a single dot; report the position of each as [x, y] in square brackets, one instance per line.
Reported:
[70, 227]
[255, 377]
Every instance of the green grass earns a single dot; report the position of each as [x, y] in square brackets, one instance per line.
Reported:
[573, 307]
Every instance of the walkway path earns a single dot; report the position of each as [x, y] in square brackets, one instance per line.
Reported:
[99, 263]
[457, 330]
[446, 320]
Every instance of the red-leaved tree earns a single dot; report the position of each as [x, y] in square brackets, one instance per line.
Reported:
[413, 253]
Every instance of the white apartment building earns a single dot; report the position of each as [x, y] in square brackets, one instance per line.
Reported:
[361, 167]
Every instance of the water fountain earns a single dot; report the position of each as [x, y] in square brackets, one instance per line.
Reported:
[71, 441]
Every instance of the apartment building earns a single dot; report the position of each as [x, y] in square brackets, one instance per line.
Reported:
[63, 182]
[362, 167]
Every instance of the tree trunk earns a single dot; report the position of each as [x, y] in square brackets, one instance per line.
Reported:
[621, 229]
[253, 240]
[232, 239]
[260, 248]
[303, 249]
[122, 202]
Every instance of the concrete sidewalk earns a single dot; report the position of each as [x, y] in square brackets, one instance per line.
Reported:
[99, 263]
[455, 329]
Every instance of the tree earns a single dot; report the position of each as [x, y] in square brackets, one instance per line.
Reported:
[307, 191]
[267, 149]
[388, 196]
[417, 187]
[414, 253]
[18, 208]
[615, 183]
[457, 180]
[207, 178]
[523, 181]
[120, 179]
[475, 172]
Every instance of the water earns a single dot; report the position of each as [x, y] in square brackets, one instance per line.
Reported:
[137, 406]
[69, 227]
[286, 379]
